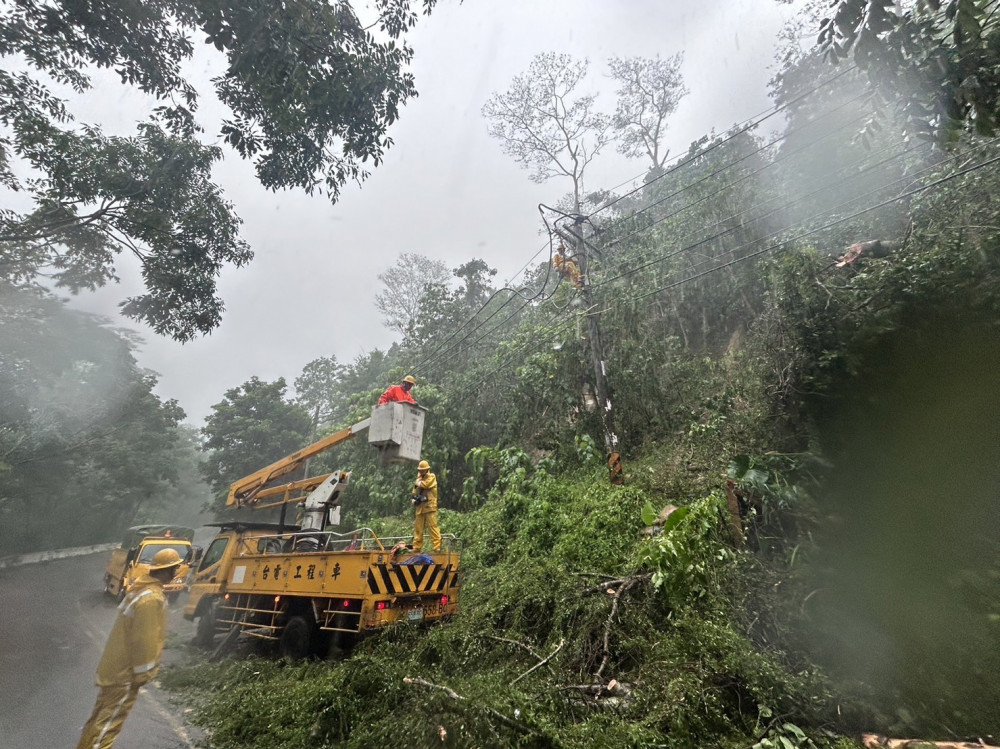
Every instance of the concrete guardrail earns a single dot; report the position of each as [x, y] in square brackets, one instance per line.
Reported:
[16, 560]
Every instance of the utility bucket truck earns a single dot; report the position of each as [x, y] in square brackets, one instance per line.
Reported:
[132, 558]
[303, 586]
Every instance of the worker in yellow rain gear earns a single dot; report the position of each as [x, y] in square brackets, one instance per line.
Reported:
[567, 267]
[425, 502]
[132, 656]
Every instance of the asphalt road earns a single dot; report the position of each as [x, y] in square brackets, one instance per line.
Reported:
[54, 621]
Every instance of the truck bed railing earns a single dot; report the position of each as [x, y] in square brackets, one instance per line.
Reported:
[309, 541]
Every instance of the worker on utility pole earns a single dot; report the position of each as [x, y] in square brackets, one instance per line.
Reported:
[425, 505]
[400, 392]
[597, 359]
[132, 656]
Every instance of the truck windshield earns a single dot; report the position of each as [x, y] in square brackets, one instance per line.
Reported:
[214, 553]
[149, 550]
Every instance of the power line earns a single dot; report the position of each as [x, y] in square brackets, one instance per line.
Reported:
[826, 226]
[759, 149]
[773, 211]
[717, 235]
[442, 349]
[777, 245]
[748, 124]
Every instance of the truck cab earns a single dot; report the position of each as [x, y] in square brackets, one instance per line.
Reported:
[208, 579]
[132, 558]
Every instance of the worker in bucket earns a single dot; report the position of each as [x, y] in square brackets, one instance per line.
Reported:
[400, 392]
[425, 504]
[132, 655]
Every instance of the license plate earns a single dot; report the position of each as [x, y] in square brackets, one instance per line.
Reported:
[415, 615]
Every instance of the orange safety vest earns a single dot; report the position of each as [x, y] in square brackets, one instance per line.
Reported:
[396, 393]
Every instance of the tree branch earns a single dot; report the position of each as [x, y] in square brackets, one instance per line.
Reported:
[540, 663]
[620, 581]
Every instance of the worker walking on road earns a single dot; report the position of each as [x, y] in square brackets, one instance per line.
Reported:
[400, 392]
[425, 502]
[132, 655]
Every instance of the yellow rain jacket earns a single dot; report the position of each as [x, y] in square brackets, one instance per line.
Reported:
[428, 486]
[132, 655]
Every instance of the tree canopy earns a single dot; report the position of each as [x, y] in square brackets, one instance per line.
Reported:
[944, 55]
[545, 124]
[254, 425]
[310, 91]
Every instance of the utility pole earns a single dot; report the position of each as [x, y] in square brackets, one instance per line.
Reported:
[597, 356]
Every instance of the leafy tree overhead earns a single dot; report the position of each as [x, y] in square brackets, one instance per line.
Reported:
[945, 54]
[254, 425]
[316, 387]
[310, 90]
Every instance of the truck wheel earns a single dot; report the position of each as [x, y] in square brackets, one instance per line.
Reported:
[107, 584]
[122, 590]
[297, 639]
[204, 636]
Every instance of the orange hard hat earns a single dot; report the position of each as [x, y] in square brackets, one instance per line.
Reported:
[410, 379]
[423, 465]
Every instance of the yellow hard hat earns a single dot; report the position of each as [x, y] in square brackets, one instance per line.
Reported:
[410, 379]
[164, 558]
[423, 465]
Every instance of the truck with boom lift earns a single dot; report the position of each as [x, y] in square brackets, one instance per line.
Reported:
[306, 585]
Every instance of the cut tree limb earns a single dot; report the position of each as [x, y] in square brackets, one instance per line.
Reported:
[540, 663]
[610, 621]
[518, 643]
[620, 581]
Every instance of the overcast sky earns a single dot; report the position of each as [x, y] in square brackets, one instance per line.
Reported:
[446, 190]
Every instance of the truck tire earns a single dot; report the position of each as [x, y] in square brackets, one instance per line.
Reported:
[204, 636]
[298, 638]
[107, 584]
[122, 590]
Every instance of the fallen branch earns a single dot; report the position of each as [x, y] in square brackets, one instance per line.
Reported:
[620, 581]
[610, 621]
[613, 687]
[611, 695]
[540, 663]
[452, 694]
[515, 642]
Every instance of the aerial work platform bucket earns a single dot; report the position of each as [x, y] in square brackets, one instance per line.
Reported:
[397, 432]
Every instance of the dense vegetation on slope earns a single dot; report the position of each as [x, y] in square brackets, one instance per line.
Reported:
[809, 621]
[812, 317]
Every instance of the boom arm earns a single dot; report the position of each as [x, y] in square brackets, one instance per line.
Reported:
[248, 489]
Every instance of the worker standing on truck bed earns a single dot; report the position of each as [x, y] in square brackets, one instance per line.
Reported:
[425, 502]
[132, 655]
[400, 392]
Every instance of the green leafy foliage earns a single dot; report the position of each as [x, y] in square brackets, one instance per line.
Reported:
[785, 736]
[944, 54]
[310, 93]
[253, 426]
[532, 560]
[712, 638]
[689, 559]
